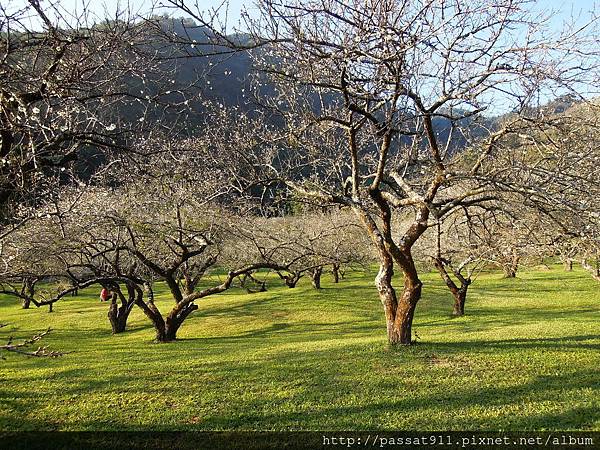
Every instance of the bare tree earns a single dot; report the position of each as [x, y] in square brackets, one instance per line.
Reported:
[176, 227]
[563, 156]
[457, 258]
[376, 96]
[71, 246]
[305, 243]
[30, 255]
[74, 86]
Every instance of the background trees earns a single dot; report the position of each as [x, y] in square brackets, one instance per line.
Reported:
[305, 243]
[73, 87]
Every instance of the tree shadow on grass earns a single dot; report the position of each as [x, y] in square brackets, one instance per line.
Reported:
[482, 318]
[288, 331]
[315, 389]
[511, 402]
[246, 308]
[553, 343]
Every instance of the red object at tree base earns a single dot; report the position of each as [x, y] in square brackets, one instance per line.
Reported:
[104, 294]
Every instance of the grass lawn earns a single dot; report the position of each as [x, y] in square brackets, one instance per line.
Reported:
[526, 357]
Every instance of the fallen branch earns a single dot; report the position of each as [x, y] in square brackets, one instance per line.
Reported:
[22, 346]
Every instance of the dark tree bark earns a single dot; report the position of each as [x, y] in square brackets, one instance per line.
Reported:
[252, 285]
[315, 275]
[402, 332]
[152, 312]
[117, 319]
[459, 293]
[118, 314]
[175, 318]
[25, 293]
[291, 279]
[166, 328]
[335, 270]
[28, 291]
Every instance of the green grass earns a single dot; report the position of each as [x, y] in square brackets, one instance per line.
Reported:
[526, 357]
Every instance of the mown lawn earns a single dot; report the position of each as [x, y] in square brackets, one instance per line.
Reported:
[526, 357]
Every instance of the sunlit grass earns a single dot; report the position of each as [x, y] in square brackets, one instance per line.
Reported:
[526, 356]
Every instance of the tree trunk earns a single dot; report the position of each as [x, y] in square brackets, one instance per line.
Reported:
[160, 329]
[402, 330]
[252, 284]
[510, 271]
[168, 335]
[335, 270]
[459, 293]
[117, 321]
[316, 277]
[568, 265]
[174, 320]
[510, 268]
[290, 280]
[399, 313]
[460, 298]
[152, 312]
[28, 291]
[118, 315]
[170, 332]
[387, 294]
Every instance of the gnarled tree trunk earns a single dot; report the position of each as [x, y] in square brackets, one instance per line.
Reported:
[459, 302]
[399, 312]
[411, 294]
[152, 312]
[174, 320]
[118, 314]
[291, 279]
